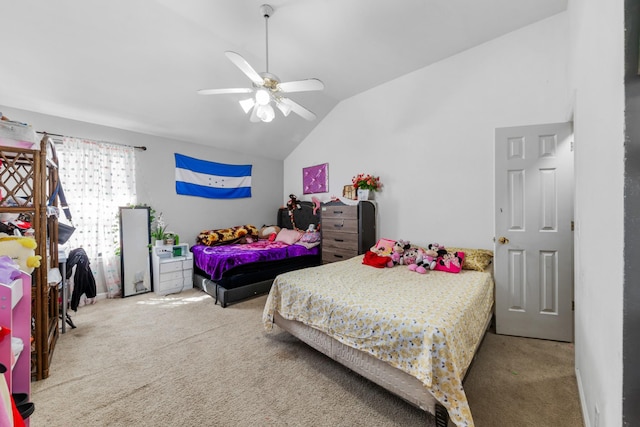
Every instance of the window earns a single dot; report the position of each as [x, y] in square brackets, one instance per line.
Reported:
[97, 179]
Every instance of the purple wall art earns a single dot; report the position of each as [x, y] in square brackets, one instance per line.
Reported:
[315, 179]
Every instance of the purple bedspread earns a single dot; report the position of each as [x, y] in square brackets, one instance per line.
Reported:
[215, 260]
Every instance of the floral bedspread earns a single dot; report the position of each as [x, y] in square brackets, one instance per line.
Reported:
[215, 260]
[427, 325]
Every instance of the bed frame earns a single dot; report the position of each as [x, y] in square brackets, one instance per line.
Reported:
[246, 281]
[392, 379]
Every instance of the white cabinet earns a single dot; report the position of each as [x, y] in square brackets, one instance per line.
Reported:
[172, 268]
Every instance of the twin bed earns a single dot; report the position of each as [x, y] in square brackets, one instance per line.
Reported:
[234, 272]
[413, 334]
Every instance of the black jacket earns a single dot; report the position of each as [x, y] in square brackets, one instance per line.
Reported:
[84, 282]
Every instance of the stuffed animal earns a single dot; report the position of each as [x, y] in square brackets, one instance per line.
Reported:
[293, 204]
[418, 265]
[430, 256]
[410, 256]
[21, 250]
[398, 250]
[266, 231]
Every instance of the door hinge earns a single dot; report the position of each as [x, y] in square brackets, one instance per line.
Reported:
[572, 225]
[573, 306]
[571, 145]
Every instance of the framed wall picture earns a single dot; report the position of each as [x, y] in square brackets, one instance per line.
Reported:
[315, 179]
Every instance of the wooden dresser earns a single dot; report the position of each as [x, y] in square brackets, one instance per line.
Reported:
[347, 230]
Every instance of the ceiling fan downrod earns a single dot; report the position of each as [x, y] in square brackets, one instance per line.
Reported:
[266, 11]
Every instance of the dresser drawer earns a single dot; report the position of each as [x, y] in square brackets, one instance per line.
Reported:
[172, 286]
[342, 212]
[171, 276]
[332, 254]
[334, 239]
[168, 267]
[340, 225]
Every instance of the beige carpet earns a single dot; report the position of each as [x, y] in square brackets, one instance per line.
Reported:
[182, 361]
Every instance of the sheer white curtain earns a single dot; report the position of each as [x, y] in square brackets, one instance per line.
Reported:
[97, 179]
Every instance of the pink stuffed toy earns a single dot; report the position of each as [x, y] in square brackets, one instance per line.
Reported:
[410, 257]
[398, 250]
[416, 261]
[431, 254]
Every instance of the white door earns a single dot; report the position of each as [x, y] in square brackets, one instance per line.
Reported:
[534, 236]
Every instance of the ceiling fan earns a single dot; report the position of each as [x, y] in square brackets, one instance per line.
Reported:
[267, 88]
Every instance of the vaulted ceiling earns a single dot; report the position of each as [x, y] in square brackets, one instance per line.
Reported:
[136, 65]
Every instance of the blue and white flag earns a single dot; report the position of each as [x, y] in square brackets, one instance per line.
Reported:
[201, 178]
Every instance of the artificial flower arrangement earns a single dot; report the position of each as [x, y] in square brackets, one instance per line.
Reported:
[366, 182]
[159, 232]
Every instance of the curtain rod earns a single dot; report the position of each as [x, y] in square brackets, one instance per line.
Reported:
[143, 148]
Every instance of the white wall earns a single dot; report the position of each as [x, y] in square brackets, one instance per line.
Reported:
[156, 180]
[597, 42]
[430, 134]
[185, 215]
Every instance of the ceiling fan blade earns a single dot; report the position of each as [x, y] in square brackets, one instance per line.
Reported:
[298, 109]
[223, 91]
[301, 85]
[244, 66]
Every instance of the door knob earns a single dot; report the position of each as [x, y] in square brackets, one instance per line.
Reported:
[503, 240]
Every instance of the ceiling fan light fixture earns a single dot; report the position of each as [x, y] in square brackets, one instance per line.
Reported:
[247, 104]
[284, 108]
[262, 97]
[265, 113]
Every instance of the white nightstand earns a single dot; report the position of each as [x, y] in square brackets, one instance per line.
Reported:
[172, 268]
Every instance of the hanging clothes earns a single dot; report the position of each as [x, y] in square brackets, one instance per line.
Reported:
[84, 281]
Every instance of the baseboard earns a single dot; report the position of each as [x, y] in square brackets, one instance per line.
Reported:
[583, 402]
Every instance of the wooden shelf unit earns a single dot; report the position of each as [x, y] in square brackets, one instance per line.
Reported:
[26, 181]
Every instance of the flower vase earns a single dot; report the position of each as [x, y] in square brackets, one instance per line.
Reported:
[159, 242]
[364, 194]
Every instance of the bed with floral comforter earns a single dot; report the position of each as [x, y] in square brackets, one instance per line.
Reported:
[426, 325]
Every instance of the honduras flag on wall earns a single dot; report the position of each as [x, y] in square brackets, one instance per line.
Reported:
[201, 178]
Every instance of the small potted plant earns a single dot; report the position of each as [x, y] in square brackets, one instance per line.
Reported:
[159, 233]
[170, 238]
[366, 185]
